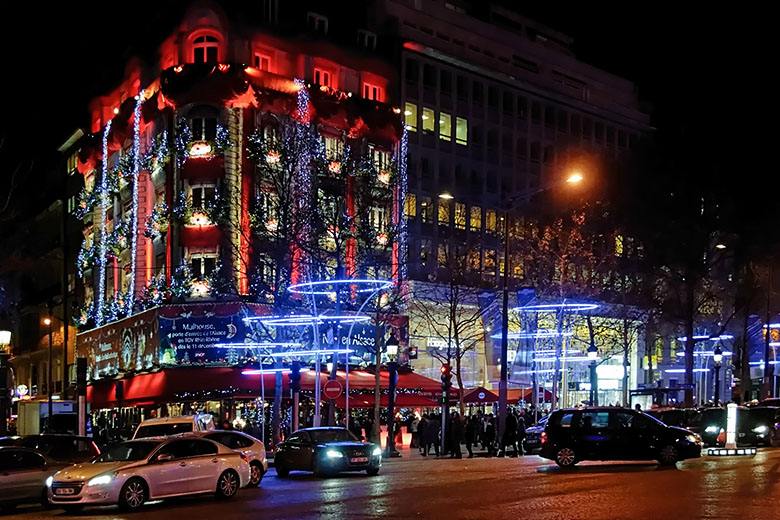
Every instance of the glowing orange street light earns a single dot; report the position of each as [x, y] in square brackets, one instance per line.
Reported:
[446, 195]
[47, 321]
[575, 178]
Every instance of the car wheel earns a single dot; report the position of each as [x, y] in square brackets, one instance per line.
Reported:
[282, 471]
[373, 470]
[565, 458]
[668, 456]
[255, 474]
[227, 485]
[133, 494]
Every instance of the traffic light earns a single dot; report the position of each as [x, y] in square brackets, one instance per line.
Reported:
[446, 377]
[412, 352]
[295, 376]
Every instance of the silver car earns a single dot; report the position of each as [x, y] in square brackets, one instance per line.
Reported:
[253, 448]
[133, 472]
[23, 474]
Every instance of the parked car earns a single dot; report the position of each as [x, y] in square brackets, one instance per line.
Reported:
[23, 474]
[708, 425]
[326, 451]
[680, 417]
[246, 444]
[599, 433]
[759, 426]
[533, 436]
[62, 448]
[133, 472]
[165, 426]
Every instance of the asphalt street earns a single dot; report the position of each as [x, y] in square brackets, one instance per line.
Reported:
[484, 488]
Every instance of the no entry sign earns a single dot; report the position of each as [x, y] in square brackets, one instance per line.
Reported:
[332, 389]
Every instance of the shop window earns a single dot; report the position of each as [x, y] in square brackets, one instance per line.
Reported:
[322, 78]
[475, 218]
[427, 119]
[203, 265]
[410, 205]
[410, 116]
[382, 159]
[263, 62]
[205, 49]
[461, 131]
[426, 210]
[445, 126]
[202, 195]
[444, 212]
[460, 215]
[317, 22]
[373, 92]
[474, 261]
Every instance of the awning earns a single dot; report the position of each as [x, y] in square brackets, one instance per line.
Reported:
[515, 394]
[401, 401]
[479, 395]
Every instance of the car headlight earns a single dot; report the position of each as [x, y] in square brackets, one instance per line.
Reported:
[101, 480]
[377, 452]
[693, 439]
[333, 454]
[49, 481]
[712, 429]
[760, 429]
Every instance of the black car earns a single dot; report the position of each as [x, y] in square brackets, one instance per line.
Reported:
[326, 451]
[758, 426]
[572, 435]
[63, 448]
[533, 436]
[680, 417]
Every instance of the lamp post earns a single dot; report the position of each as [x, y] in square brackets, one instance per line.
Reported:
[391, 346]
[593, 355]
[717, 357]
[49, 387]
[574, 178]
[5, 342]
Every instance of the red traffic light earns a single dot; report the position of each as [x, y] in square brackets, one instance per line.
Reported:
[446, 369]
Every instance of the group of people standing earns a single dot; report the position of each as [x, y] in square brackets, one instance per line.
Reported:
[476, 430]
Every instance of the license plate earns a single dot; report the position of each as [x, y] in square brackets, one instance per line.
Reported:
[64, 491]
[357, 460]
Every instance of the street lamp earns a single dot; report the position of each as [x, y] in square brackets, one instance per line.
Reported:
[446, 195]
[574, 178]
[593, 355]
[5, 342]
[391, 346]
[717, 357]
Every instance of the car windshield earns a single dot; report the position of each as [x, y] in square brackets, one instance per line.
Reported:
[652, 418]
[757, 416]
[127, 451]
[162, 430]
[325, 436]
[709, 417]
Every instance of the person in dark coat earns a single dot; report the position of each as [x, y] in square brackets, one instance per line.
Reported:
[421, 433]
[431, 434]
[510, 434]
[489, 435]
[457, 433]
[472, 427]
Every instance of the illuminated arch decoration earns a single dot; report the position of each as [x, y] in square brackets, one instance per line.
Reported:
[103, 211]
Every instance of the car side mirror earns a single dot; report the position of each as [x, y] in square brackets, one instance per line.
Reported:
[163, 457]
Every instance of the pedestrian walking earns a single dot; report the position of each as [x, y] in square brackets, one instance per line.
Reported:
[510, 434]
[413, 427]
[490, 435]
[457, 433]
[472, 429]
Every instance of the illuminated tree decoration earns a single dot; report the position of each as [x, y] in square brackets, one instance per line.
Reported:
[182, 211]
[103, 212]
[157, 221]
[155, 292]
[86, 258]
[88, 200]
[181, 281]
[159, 155]
[117, 239]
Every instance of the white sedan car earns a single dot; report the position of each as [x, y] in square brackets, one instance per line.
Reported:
[135, 471]
[253, 448]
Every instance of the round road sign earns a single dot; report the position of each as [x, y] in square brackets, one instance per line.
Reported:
[332, 389]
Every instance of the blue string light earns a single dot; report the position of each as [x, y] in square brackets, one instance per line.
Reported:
[103, 211]
[129, 304]
[310, 288]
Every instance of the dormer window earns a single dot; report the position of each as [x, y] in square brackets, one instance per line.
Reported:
[373, 92]
[205, 49]
[317, 22]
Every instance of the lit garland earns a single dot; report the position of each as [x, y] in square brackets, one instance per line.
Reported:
[157, 221]
[85, 258]
[155, 292]
[88, 199]
[103, 211]
[134, 214]
[181, 281]
[116, 240]
[403, 234]
[159, 155]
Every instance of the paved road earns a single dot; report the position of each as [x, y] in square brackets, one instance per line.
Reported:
[482, 488]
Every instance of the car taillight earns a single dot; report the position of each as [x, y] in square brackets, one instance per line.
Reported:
[244, 456]
[544, 437]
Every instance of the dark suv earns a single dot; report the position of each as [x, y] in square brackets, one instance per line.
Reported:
[577, 434]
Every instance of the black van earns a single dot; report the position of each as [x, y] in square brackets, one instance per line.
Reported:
[601, 433]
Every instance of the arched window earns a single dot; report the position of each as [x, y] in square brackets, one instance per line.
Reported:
[205, 49]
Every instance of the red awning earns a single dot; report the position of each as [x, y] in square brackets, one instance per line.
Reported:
[515, 394]
[479, 395]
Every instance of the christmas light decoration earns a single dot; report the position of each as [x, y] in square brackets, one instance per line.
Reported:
[272, 158]
[103, 212]
[357, 285]
[256, 372]
[403, 233]
[311, 352]
[134, 212]
[199, 218]
[200, 149]
[258, 344]
[558, 306]
[200, 289]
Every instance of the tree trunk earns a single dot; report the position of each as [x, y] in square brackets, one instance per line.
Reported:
[459, 379]
[690, 343]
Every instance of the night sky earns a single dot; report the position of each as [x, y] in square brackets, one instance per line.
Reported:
[706, 75]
